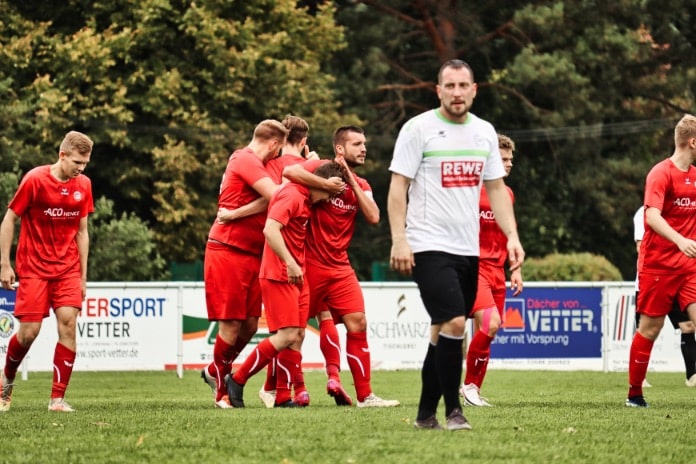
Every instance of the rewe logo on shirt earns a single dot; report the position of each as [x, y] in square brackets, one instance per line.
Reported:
[461, 173]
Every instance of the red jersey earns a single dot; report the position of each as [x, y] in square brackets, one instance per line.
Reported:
[332, 224]
[492, 240]
[290, 206]
[243, 170]
[50, 212]
[276, 165]
[673, 192]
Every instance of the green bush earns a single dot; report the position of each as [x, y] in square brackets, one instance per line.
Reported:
[121, 249]
[571, 267]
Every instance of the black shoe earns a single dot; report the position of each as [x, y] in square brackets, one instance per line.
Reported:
[287, 404]
[235, 392]
[636, 402]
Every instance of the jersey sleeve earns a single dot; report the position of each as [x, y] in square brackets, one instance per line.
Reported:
[408, 150]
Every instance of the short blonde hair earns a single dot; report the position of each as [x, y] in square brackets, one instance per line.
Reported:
[270, 129]
[505, 142]
[76, 141]
[685, 130]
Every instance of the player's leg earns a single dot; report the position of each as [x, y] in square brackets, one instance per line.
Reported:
[321, 281]
[447, 285]
[66, 299]
[31, 306]
[282, 313]
[233, 299]
[680, 321]
[654, 303]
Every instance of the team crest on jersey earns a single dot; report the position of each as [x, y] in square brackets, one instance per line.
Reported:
[77, 196]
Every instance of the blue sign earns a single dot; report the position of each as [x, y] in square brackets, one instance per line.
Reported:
[7, 300]
[551, 323]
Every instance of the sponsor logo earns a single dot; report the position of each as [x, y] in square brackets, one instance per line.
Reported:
[60, 213]
[64, 191]
[7, 324]
[684, 202]
[461, 173]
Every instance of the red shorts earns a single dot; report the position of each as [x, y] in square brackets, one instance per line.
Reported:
[231, 283]
[657, 292]
[336, 289]
[36, 297]
[491, 288]
[286, 305]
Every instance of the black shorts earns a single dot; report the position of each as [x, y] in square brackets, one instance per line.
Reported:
[447, 284]
[676, 315]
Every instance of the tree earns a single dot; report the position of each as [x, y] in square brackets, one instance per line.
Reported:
[121, 248]
[167, 89]
[589, 90]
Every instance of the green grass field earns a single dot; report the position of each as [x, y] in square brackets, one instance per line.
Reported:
[539, 416]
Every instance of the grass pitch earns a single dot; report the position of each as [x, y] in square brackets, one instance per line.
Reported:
[539, 416]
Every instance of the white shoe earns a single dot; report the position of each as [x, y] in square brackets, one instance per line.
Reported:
[374, 401]
[471, 395]
[210, 380]
[646, 384]
[5, 392]
[691, 381]
[59, 405]
[223, 403]
[267, 397]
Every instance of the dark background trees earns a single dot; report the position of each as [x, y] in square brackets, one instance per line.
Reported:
[589, 90]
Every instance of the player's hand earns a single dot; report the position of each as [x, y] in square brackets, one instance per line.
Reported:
[335, 186]
[688, 247]
[401, 258]
[7, 277]
[515, 253]
[310, 155]
[516, 284]
[295, 275]
[347, 172]
[225, 215]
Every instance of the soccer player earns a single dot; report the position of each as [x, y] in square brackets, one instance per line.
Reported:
[679, 319]
[52, 202]
[666, 264]
[441, 157]
[335, 293]
[285, 294]
[235, 242]
[490, 295]
[233, 254]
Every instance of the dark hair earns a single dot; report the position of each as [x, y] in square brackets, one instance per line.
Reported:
[298, 128]
[454, 64]
[330, 169]
[339, 135]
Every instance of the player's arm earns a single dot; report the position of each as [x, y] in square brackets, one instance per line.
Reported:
[257, 206]
[82, 239]
[274, 238]
[516, 283]
[264, 187]
[401, 256]
[367, 205]
[7, 275]
[654, 219]
[501, 205]
[298, 174]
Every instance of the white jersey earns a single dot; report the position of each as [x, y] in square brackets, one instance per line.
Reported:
[638, 229]
[447, 163]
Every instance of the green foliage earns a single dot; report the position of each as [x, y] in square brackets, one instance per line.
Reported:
[166, 89]
[539, 416]
[121, 248]
[571, 267]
